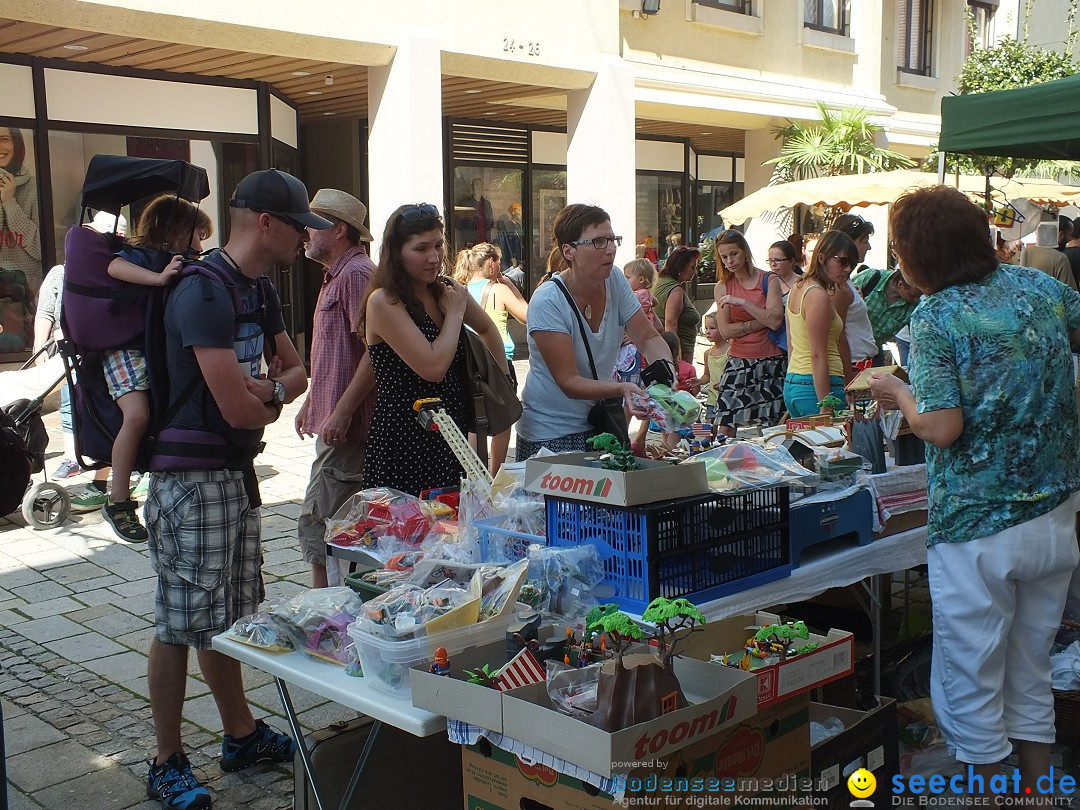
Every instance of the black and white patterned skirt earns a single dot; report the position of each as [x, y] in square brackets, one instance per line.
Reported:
[751, 391]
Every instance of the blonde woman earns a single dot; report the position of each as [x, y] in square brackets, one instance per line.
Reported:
[479, 268]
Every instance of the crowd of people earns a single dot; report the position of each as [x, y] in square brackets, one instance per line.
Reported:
[993, 398]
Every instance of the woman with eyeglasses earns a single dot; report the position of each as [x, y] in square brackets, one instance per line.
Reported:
[751, 390]
[412, 325]
[815, 368]
[784, 263]
[587, 301]
[994, 399]
[858, 333]
[678, 311]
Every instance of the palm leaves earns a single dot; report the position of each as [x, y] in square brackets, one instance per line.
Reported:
[843, 142]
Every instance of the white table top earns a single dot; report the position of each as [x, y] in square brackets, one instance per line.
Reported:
[331, 682]
[829, 569]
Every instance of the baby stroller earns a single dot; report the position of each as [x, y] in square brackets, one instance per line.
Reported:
[23, 440]
[100, 314]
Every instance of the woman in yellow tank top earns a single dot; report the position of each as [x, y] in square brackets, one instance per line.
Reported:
[815, 369]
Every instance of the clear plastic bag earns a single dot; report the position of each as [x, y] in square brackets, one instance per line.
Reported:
[573, 690]
[263, 631]
[404, 611]
[564, 579]
[381, 512]
[745, 465]
[310, 619]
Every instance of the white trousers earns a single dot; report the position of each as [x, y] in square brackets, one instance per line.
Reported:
[997, 604]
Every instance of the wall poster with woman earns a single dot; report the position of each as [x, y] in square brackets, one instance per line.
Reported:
[20, 242]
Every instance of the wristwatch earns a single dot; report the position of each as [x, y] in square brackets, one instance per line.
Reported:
[278, 399]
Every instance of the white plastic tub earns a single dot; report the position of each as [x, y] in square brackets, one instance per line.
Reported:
[386, 663]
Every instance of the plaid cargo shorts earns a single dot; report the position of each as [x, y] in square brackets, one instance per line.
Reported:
[205, 549]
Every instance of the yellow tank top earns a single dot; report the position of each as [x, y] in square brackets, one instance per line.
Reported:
[800, 360]
[717, 364]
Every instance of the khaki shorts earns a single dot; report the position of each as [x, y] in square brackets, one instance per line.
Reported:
[336, 473]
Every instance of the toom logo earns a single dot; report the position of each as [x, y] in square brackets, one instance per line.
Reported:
[684, 730]
[576, 485]
[536, 772]
[766, 685]
[741, 754]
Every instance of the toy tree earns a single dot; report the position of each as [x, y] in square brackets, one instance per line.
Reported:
[622, 631]
[618, 456]
[672, 617]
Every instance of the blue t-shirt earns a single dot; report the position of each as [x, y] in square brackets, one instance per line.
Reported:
[998, 350]
[548, 413]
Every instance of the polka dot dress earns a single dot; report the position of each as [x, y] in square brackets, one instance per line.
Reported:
[400, 453]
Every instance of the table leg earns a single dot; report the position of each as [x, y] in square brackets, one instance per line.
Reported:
[354, 780]
[873, 611]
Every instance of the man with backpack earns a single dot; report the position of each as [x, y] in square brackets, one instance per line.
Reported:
[341, 396]
[202, 511]
[890, 300]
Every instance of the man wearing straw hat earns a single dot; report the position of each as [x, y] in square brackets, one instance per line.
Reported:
[341, 393]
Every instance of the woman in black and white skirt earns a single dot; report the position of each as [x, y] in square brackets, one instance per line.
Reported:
[748, 305]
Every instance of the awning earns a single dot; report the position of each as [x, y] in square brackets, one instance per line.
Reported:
[882, 188]
[1041, 121]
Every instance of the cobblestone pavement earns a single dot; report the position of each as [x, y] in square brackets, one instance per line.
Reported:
[76, 613]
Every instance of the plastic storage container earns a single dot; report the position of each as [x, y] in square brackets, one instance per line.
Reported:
[365, 590]
[812, 523]
[499, 544]
[702, 547]
[386, 663]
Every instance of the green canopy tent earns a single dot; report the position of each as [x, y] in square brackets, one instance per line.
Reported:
[1041, 121]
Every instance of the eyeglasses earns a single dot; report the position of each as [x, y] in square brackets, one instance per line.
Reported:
[413, 213]
[843, 260]
[292, 223]
[774, 262]
[599, 242]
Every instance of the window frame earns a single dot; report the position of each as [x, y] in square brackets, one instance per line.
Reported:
[989, 9]
[734, 6]
[924, 53]
[842, 10]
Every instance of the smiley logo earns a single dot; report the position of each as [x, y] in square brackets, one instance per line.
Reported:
[861, 783]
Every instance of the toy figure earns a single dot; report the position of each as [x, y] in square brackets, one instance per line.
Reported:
[618, 456]
[441, 664]
[484, 676]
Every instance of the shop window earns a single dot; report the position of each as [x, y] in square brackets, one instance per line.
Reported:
[980, 15]
[21, 268]
[737, 6]
[914, 35]
[826, 15]
[548, 198]
[660, 215]
[487, 208]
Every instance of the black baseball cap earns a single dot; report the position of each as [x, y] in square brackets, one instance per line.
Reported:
[277, 193]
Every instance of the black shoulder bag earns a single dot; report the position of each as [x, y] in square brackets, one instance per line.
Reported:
[606, 415]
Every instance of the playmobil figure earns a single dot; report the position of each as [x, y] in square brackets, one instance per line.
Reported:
[441, 664]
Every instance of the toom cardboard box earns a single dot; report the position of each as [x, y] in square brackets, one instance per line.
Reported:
[580, 476]
[869, 740]
[833, 659]
[718, 697]
[453, 696]
[766, 754]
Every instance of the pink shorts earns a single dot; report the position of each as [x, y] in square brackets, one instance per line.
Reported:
[125, 371]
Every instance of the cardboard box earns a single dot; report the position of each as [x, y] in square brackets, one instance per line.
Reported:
[902, 523]
[768, 753]
[833, 659]
[869, 740]
[861, 384]
[453, 696]
[570, 476]
[718, 697]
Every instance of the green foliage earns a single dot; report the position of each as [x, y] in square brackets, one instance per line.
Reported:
[661, 610]
[782, 632]
[1003, 66]
[619, 623]
[592, 619]
[485, 676]
[842, 142]
[619, 456]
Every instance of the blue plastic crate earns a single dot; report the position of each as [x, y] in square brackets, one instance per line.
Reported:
[499, 544]
[704, 547]
[850, 518]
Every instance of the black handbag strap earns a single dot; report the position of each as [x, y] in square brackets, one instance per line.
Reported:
[580, 323]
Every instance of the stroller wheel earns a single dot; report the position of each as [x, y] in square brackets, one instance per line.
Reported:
[46, 505]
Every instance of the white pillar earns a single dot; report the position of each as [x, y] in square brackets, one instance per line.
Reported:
[600, 160]
[405, 145]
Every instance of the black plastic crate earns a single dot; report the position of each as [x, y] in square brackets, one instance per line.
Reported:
[705, 546]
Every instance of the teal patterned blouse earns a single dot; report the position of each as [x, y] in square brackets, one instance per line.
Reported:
[999, 350]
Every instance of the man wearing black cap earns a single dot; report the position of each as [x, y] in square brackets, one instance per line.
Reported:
[203, 515]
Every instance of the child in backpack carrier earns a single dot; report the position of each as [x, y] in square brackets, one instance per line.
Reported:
[167, 228]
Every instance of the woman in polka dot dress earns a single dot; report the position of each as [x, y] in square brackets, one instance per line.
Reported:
[413, 328]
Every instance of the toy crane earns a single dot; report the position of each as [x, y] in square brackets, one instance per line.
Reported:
[433, 416]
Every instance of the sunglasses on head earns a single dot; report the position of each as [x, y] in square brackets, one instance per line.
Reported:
[292, 223]
[413, 213]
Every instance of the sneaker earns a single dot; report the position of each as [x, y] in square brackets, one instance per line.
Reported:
[67, 469]
[264, 744]
[89, 498]
[142, 486]
[121, 516]
[175, 786]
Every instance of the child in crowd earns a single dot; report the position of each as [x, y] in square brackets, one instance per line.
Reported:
[641, 273]
[715, 359]
[686, 378]
[168, 227]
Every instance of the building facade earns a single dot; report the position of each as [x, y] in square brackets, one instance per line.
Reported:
[501, 111]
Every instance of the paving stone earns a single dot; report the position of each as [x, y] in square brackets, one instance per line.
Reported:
[19, 577]
[27, 732]
[41, 591]
[51, 765]
[52, 607]
[139, 640]
[79, 572]
[112, 788]
[135, 587]
[49, 558]
[140, 687]
[118, 668]
[85, 647]
[50, 628]
[9, 618]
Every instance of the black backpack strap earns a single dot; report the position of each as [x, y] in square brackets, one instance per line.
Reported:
[580, 323]
[866, 287]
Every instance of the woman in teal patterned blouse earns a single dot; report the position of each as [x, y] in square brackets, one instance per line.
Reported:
[995, 399]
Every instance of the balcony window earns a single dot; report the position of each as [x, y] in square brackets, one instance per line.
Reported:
[826, 15]
[980, 15]
[914, 35]
[737, 6]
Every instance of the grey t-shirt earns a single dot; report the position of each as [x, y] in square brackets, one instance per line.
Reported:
[49, 297]
[193, 320]
[548, 412]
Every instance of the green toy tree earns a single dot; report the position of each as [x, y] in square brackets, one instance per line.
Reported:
[622, 631]
[618, 456]
[672, 617]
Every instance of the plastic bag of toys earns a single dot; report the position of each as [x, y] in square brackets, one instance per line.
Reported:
[263, 631]
[573, 689]
[383, 512]
[745, 465]
[563, 581]
[316, 621]
[404, 611]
